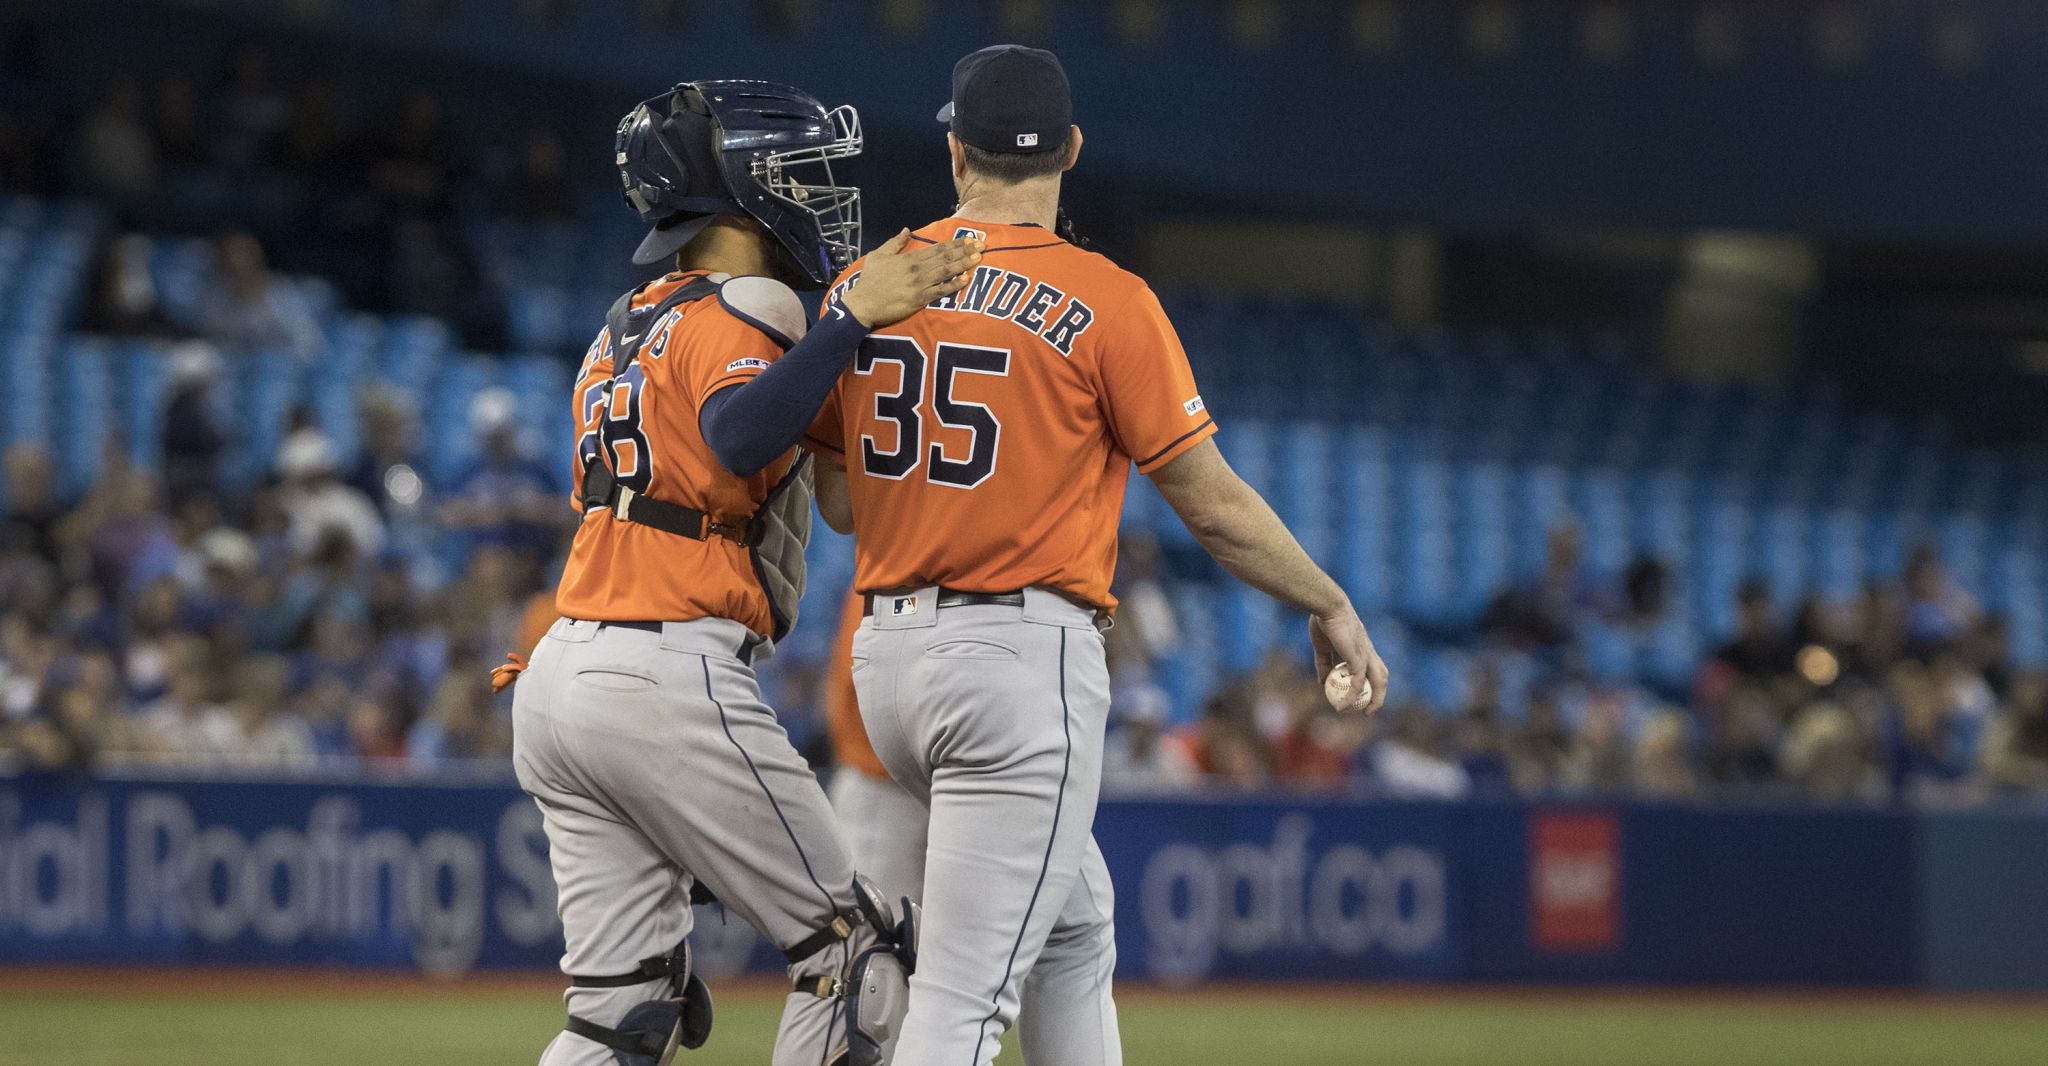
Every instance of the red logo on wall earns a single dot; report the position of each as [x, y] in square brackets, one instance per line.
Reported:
[1574, 881]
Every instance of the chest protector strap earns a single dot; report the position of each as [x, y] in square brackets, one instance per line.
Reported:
[775, 535]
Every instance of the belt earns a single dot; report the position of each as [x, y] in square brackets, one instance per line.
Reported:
[951, 598]
[745, 652]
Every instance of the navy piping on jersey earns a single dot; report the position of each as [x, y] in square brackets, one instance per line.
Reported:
[1177, 442]
[831, 907]
[1059, 804]
[1004, 248]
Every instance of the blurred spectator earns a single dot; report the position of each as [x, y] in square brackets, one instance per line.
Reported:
[540, 191]
[1760, 650]
[1537, 751]
[251, 310]
[504, 496]
[1146, 630]
[1822, 755]
[318, 505]
[29, 523]
[459, 722]
[269, 734]
[1602, 758]
[1938, 611]
[1663, 758]
[123, 301]
[1136, 756]
[193, 439]
[1413, 762]
[117, 154]
[391, 469]
[1224, 745]
[1739, 726]
[2016, 749]
[1316, 747]
[1646, 592]
[188, 724]
[1543, 612]
[374, 729]
[1482, 753]
[123, 532]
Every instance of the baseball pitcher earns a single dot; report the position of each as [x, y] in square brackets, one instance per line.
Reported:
[979, 450]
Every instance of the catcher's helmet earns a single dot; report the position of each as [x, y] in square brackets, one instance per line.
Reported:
[710, 148]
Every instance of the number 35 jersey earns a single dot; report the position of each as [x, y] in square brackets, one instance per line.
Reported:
[988, 438]
[644, 426]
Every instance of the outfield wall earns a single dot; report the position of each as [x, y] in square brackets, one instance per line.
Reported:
[452, 877]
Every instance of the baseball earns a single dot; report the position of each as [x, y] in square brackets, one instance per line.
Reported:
[1337, 689]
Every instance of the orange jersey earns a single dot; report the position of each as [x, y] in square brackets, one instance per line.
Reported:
[646, 429]
[850, 745]
[989, 437]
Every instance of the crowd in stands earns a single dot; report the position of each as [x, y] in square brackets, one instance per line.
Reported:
[1903, 694]
[372, 197]
[157, 619]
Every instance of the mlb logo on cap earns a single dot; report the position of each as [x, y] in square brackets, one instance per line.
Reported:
[1009, 98]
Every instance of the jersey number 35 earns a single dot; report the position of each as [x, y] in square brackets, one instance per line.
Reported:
[902, 407]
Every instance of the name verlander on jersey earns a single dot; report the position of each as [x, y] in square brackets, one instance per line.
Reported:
[1035, 306]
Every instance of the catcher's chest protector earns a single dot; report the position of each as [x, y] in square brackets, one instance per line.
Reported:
[782, 530]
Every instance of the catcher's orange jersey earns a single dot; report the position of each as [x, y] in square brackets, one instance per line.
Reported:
[850, 745]
[646, 428]
[988, 438]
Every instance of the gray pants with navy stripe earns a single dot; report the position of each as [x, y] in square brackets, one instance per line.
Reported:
[994, 717]
[655, 764]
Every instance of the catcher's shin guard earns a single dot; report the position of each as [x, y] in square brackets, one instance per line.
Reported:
[651, 1032]
[876, 991]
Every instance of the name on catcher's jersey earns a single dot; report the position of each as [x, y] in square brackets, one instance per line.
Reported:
[988, 438]
[645, 427]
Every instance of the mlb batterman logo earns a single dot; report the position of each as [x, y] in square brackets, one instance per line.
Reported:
[903, 605]
[1193, 406]
[1027, 140]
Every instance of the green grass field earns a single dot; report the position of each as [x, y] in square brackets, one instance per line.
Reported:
[459, 1025]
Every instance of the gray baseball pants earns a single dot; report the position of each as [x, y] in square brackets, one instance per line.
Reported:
[994, 717]
[656, 764]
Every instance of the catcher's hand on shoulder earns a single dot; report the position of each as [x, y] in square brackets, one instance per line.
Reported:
[897, 280]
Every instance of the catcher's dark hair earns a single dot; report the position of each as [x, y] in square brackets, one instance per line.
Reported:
[1013, 167]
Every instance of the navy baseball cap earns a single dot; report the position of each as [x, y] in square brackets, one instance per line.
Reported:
[1009, 98]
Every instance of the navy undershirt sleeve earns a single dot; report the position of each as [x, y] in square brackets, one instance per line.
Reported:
[748, 425]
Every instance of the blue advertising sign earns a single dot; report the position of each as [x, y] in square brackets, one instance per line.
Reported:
[451, 877]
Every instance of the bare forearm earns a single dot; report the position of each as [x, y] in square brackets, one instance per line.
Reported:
[1247, 539]
[1236, 527]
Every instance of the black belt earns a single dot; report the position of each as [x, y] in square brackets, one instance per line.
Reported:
[951, 598]
[744, 654]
